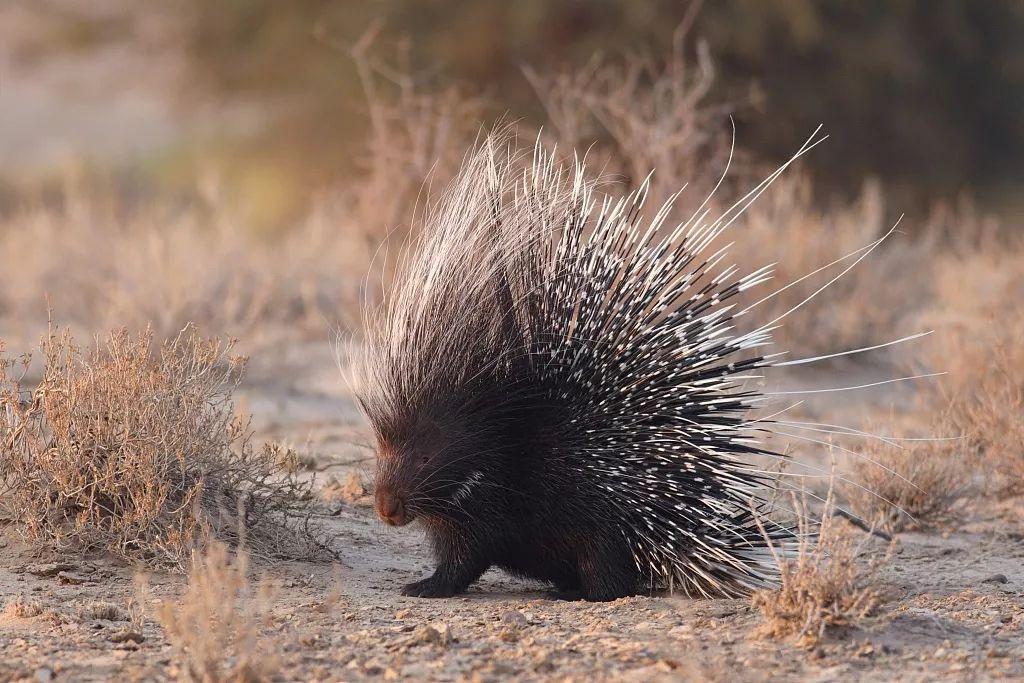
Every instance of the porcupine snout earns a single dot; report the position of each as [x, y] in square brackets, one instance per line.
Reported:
[390, 507]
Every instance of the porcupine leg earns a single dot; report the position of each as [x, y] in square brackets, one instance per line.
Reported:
[458, 566]
[607, 573]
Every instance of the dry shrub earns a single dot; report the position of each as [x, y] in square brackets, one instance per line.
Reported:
[985, 391]
[876, 301]
[825, 581]
[644, 114]
[980, 343]
[215, 627]
[106, 265]
[105, 611]
[895, 486]
[417, 138]
[140, 453]
[21, 607]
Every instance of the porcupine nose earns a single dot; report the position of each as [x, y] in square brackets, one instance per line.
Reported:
[390, 507]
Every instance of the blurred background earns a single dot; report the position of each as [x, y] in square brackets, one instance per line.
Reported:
[926, 95]
[238, 162]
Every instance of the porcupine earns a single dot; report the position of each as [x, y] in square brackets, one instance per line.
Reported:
[556, 388]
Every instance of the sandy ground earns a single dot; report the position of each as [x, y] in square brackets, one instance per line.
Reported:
[953, 603]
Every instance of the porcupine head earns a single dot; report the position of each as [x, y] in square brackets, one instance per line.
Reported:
[557, 389]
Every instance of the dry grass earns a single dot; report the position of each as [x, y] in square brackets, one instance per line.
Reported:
[106, 611]
[639, 114]
[137, 450]
[215, 627]
[21, 607]
[877, 301]
[899, 485]
[825, 580]
[985, 392]
[106, 265]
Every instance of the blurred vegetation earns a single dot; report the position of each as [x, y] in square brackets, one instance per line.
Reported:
[927, 94]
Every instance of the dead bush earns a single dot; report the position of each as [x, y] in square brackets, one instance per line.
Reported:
[985, 391]
[137, 450]
[100, 610]
[894, 485]
[638, 114]
[825, 581]
[21, 607]
[215, 626]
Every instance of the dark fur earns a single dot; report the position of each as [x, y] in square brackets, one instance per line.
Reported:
[522, 516]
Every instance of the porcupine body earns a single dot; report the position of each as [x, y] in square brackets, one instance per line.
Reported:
[557, 389]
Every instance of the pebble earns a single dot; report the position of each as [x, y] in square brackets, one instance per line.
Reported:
[515, 619]
[126, 636]
[996, 578]
[437, 634]
[49, 569]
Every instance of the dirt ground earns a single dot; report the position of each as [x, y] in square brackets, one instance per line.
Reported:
[953, 600]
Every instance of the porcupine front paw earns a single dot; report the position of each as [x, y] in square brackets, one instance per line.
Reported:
[430, 587]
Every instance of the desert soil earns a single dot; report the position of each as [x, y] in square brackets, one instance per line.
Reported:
[952, 599]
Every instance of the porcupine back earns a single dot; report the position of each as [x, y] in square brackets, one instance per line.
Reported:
[598, 348]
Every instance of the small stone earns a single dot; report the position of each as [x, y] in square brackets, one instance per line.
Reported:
[515, 619]
[373, 668]
[667, 665]
[402, 613]
[436, 634]
[69, 579]
[44, 675]
[866, 650]
[49, 569]
[126, 636]
[996, 578]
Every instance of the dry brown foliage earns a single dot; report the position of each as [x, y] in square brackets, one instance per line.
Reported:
[874, 302]
[107, 265]
[894, 484]
[418, 134]
[215, 626]
[825, 581]
[21, 607]
[894, 488]
[985, 393]
[138, 451]
[643, 114]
